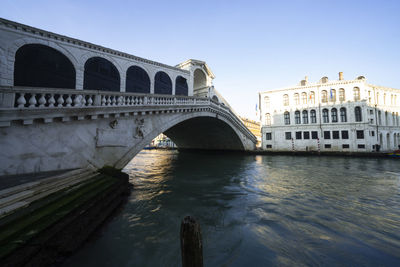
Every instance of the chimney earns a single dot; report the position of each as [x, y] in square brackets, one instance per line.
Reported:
[341, 76]
[306, 79]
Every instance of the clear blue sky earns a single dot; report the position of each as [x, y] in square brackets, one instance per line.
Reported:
[251, 46]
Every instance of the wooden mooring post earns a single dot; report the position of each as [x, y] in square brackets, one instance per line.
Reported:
[191, 243]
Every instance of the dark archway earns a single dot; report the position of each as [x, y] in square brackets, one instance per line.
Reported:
[162, 84]
[181, 86]
[204, 133]
[42, 66]
[137, 80]
[101, 74]
[215, 98]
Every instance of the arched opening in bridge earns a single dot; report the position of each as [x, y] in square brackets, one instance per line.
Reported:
[199, 82]
[101, 74]
[206, 133]
[215, 98]
[162, 84]
[181, 86]
[42, 66]
[137, 80]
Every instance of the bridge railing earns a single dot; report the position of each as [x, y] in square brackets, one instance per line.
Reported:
[33, 98]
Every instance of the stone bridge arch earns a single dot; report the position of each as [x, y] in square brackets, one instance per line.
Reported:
[182, 131]
[17, 44]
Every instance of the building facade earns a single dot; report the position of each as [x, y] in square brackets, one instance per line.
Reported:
[254, 128]
[340, 115]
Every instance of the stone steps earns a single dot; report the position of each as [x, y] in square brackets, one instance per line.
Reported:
[14, 198]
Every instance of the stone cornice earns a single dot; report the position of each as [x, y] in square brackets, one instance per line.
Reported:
[314, 85]
[62, 38]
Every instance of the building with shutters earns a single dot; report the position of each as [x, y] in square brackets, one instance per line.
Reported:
[339, 115]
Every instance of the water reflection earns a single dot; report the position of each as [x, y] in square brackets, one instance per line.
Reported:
[256, 210]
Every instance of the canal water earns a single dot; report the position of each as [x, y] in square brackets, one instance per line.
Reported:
[255, 211]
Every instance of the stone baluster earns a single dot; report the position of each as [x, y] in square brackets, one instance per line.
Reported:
[121, 100]
[32, 101]
[77, 100]
[145, 100]
[52, 101]
[114, 100]
[90, 100]
[108, 102]
[21, 100]
[68, 101]
[60, 101]
[42, 101]
[103, 100]
[83, 101]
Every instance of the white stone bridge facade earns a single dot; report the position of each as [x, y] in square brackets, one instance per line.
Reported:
[66, 103]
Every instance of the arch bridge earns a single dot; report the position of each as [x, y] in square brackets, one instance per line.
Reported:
[66, 103]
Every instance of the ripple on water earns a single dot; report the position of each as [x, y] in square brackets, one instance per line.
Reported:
[256, 211]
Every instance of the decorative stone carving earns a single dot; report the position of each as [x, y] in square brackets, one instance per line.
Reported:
[139, 132]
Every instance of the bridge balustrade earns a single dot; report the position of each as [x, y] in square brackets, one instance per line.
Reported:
[32, 98]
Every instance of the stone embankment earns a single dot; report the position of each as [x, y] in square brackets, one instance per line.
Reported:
[45, 221]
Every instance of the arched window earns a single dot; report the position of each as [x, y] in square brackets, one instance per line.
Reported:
[137, 80]
[333, 95]
[266, 101]
[267, 119]
[42, 66]
[297, 118]
[304, 97]
[305, 116]
[181, 87]
[162, 84]
[357, 113]
[296, 99]
[356, 93]
[334, 115]
[101, 74]
[325, 115]
[343, 115]
[324, 96]
[342, 95]
[285, 100]
[313, 116]
[286, 117]
[312, 97]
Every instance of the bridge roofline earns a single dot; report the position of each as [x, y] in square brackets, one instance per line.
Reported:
[197, 62]
[62, 38]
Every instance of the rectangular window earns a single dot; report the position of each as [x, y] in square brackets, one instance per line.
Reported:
[327, 135]
[360, 134]
[361, 146]
[372, 133]
[346, 146]
[314, 135]
[328, 146]
[288, 135]
[371, 111]
[298, 135]
[269, 146]
[335, 134]
[268, 136]
[345, 134]
[306, 135]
